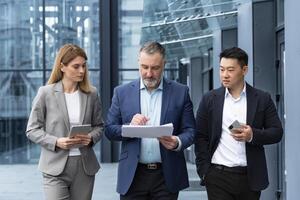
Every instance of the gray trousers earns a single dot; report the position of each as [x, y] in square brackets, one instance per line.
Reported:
[71, 184]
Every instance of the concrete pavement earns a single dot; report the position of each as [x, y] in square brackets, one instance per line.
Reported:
[24, 182]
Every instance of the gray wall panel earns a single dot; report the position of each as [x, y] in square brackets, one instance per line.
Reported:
[292, 98]
[229, 38]
[245, 40]
[217, 48]
[264, 76]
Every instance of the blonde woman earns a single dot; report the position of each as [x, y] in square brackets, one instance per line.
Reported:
[67, 99]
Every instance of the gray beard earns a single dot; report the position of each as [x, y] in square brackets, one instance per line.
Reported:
[150, 83]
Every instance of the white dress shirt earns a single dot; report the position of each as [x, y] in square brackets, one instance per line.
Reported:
[230, 152]
[151, 108]
[73, 107]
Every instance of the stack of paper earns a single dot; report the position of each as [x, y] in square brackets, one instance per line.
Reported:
[147, 131]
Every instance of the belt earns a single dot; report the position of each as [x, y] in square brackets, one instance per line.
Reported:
[150, 166]
[237, 170]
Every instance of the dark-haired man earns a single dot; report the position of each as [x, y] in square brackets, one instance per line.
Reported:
[233, 124]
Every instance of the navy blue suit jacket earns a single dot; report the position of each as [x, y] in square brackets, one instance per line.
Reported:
[261, 116]
[176, 108]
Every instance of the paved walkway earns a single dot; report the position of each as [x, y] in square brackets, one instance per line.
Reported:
[24, 182]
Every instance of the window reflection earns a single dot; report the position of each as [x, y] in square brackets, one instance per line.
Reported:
[185, 28]
[22, 60]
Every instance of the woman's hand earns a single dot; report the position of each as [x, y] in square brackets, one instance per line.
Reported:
[86, 139]
[67, 143]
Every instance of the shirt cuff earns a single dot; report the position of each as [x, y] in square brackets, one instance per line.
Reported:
[178, 148]
[250, 138]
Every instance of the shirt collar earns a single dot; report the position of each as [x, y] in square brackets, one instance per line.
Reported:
[242, 93]
[160, 86]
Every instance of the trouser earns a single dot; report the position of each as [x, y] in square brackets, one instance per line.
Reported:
[148, 184]
[71, 184]
[225, 185]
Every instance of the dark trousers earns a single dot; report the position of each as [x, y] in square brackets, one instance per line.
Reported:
[148, 184]
[224, 185]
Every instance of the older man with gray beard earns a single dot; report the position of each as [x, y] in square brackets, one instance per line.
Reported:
[152, 168]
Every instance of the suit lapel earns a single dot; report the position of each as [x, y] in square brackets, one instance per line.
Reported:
[218, 105]
[165, 99]
[135, 106]
[251, 104]
[82, 100]
[61, 101]
[135, 97]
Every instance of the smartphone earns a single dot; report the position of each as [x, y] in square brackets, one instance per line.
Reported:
[235, 124]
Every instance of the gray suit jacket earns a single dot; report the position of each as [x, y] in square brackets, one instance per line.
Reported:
[49, 121]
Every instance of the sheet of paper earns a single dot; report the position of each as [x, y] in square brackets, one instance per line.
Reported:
[147, 131]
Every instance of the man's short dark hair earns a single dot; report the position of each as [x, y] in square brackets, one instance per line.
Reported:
[235, 53]
[153, 47]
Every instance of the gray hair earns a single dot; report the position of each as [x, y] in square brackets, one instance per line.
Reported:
[153, 47]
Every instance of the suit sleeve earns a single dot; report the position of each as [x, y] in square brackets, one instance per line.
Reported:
[187, 134]
[272, 130]
[202, 138]
[97, 120]
[113, 127]
[36, 123]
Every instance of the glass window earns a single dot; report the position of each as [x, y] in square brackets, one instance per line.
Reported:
[130, 23]
[22, 58]
[18, 88]
[280, 12]
[74, 22]
[185, 28]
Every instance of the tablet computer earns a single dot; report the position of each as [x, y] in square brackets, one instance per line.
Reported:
[79, 129]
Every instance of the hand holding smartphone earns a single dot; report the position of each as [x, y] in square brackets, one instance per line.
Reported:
[240, 132]
[235, 124]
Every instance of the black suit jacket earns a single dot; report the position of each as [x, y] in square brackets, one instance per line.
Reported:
[261, 116]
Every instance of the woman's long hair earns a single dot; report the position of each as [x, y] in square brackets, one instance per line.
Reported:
[65, 55]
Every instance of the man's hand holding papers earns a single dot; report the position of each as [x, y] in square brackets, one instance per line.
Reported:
[169, 142]
[147, 131]
[139, 129]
